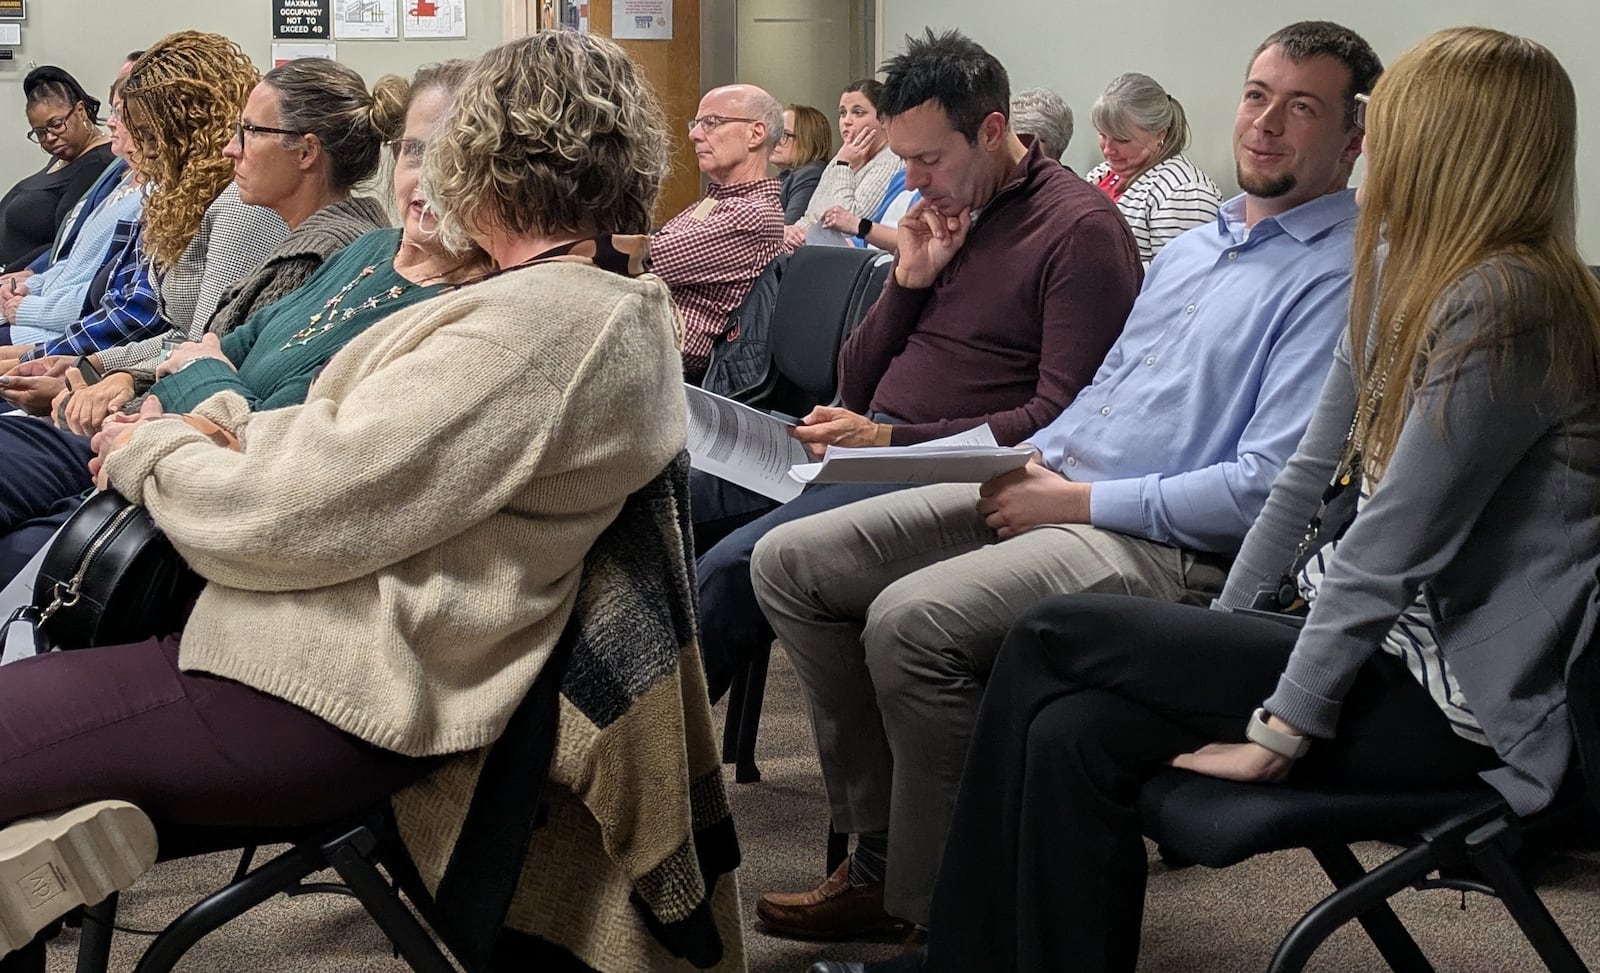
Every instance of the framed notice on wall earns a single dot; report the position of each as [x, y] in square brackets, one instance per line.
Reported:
[641, 20]
[301, 19]
[13, 9]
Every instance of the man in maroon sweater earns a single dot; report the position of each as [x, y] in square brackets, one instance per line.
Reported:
[1012, 280]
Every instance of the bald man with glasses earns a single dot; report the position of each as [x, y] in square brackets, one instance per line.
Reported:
[711, 253]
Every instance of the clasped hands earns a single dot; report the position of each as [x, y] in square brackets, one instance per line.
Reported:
[115, 433]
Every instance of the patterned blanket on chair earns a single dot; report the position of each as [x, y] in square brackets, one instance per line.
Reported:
[633, 867]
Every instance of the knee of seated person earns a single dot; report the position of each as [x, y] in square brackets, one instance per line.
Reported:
[772, 557]
[1075, 728]
[908, 644]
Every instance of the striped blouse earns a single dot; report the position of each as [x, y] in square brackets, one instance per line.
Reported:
[1163, 202]
[1412, 639]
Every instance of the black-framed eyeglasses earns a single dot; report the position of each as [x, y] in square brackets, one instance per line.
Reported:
[240, 128]
[787, 136]
[1362, 100]
[710, 123]
[408, 151]
[54, 126]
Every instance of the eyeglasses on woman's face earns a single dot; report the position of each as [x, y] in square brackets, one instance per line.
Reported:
[406, 152]
[54, 126]
[240, 128]
[786, 137]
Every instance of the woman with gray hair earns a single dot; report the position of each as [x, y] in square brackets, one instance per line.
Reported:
[1143, 132]
[388, 572]
[1046, 116]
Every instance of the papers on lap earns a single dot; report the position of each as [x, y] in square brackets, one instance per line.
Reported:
[742, 445]
[966, 457]
[752, 449]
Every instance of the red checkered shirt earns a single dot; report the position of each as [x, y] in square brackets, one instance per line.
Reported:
[711, 254]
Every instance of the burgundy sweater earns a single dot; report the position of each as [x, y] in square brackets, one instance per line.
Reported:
[1013, 327]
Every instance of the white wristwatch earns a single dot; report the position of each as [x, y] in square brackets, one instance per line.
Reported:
[1283, 744]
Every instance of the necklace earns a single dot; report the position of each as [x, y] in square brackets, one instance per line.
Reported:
[330, 317]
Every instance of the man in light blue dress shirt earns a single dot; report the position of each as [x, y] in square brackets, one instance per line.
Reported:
[893, 609]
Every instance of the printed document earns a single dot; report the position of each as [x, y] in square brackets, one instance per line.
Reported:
[966, 457]
[742, 445]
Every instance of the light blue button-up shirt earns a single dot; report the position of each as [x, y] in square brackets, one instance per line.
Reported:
[1205, 395]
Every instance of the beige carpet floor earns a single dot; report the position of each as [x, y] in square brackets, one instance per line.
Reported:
[1196, 921]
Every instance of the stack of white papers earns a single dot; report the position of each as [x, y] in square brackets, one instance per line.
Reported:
[968, 457]
[754, 450]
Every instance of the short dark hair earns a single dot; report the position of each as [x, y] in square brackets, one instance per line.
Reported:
[49, 83]
[1323, 38]
[869, 88]
[952, 69]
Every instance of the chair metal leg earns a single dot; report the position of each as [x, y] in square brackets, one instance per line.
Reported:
[1364, 896]
[1490, 857]
[751, 698]
[226, 904]
[94, 939]
[734, 721]
[349, 856]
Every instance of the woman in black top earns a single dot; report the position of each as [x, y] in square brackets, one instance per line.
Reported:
[64, 120]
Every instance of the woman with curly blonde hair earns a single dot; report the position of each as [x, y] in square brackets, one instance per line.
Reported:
[390, 565]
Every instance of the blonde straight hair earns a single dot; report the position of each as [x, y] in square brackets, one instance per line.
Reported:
[1471, 146]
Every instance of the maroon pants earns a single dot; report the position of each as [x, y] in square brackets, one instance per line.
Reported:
[189, 749]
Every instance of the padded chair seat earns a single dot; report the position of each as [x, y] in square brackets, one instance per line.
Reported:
[1218, 823]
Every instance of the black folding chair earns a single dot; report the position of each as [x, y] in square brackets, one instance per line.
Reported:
[824, 294]
[1466, 840]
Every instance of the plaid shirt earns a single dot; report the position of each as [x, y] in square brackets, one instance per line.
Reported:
[126, 311]
[710, 256]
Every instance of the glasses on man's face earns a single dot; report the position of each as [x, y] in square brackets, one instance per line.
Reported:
[406, 152]
[1362, 100]
[54, 126]
[240, 128]
[710, 123]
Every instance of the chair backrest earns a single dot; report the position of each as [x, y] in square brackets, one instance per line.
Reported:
[740, 365]
[826, 291]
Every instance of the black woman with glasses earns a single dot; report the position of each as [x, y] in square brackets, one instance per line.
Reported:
[64, 120]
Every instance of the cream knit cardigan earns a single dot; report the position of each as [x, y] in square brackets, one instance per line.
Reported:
[398, 555]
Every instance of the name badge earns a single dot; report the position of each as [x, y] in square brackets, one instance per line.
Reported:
[704, 209]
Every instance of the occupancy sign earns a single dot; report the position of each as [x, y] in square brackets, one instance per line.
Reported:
[300, 19]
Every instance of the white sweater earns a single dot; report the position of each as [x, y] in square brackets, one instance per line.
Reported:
[399, 554]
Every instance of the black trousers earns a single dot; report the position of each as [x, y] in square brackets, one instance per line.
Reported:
[1092, 695]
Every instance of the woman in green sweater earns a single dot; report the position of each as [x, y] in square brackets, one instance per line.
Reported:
[272, 357]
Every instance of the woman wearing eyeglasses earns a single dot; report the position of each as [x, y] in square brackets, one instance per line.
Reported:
[271, 358]
[308, 134]
[800, 156]
[854, 185]
[64, 120]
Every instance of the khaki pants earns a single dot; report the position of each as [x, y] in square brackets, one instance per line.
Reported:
[893, 610]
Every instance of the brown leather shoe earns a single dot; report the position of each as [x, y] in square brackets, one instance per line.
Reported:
[833, 910]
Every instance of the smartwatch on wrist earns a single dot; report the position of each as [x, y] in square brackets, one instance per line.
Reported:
[840, 162]
[864, 228]
[1287, 745]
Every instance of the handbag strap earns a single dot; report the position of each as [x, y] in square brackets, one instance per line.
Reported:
[28, 615]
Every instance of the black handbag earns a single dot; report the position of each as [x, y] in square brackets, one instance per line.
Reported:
[109, 577]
